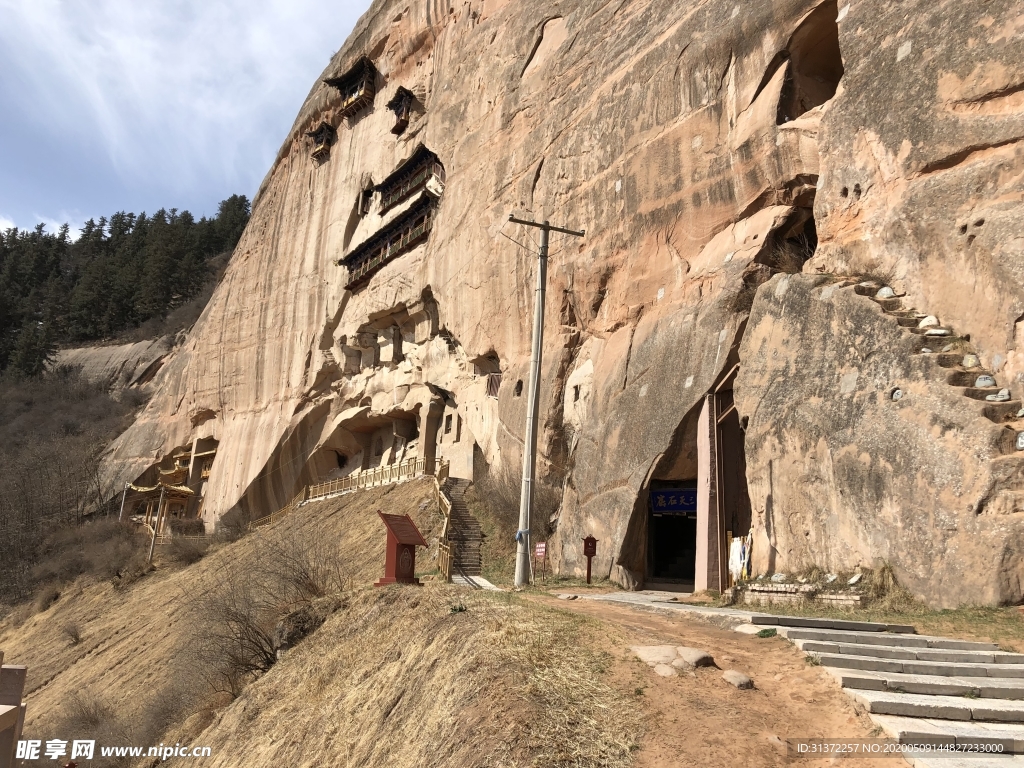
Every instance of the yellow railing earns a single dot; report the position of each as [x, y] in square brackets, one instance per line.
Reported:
[369, 478]
[445, 549]
[446, 558]
[285, 510]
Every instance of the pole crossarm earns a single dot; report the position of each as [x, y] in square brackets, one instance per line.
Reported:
[547, 226]
[533, 400]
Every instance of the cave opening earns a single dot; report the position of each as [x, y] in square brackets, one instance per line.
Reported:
[695, 507]
[815, 63]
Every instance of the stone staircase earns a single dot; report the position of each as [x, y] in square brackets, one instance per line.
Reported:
[464, 530]
[920, 689]
[953, 353]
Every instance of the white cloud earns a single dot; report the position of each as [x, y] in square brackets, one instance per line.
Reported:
[5, 223]
[74, 220]
[176, 94]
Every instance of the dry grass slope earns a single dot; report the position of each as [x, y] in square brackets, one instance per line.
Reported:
[394, 677]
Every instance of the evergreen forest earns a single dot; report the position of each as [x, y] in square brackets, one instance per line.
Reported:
[123, 274]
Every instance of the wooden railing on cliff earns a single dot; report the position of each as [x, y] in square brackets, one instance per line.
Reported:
[369, 478]
[445, 548]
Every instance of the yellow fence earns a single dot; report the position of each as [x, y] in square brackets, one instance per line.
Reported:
[369, 478]
[445, 549]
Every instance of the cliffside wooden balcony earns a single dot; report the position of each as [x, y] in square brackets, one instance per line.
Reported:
[400, 236]
[358, 86]
[323, 137]
[422, 171]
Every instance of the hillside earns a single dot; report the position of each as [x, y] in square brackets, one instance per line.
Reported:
[394, 677]
[416, 677]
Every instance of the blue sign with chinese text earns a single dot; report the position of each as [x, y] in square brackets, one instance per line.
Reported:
[674, 500]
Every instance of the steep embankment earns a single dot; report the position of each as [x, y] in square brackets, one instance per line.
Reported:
[396, 676]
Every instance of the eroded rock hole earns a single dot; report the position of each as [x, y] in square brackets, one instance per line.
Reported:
[815, 64]
[519, 388]
[789, 247]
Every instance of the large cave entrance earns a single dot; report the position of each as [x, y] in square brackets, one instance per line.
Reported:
[672, 527]
[697, 500]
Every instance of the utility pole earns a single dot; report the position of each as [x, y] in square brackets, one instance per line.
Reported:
[156, 523]
[123, 495]
[533, 399]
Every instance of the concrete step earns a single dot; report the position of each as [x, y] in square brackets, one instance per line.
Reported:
[930, 685]
[907, 319]
[805, 623]
[939, 707]
[914, 667]
[980, 393]
[911, 653]
[1002, 412]
[965, 378]
[890, 305]
[887, 638]
[912, 730]
[947, 359]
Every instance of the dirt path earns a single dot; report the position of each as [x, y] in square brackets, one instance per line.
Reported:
[698, 719]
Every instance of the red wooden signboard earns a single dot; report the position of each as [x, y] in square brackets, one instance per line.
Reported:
[589, 550]
[400, 557]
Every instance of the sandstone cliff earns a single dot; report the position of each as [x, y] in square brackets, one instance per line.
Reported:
[704, 147]
[119, 366]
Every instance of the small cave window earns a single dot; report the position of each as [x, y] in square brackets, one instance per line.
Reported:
[365, 201]
[378, 447]
[448, 424]
[815, 63]
[342, 459]
[576, 393]
[493, 385]
[401, 105]
[519, 388]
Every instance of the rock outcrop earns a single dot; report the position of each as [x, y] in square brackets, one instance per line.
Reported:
[703, 148]
[119, 366]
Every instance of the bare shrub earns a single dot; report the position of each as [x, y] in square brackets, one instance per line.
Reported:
[189, 527]
[880, 275]
[234, 639]
[88, 715]
[886, 591]
[73, 633]
[186, 551]
[302, 564]
[47, 595]
[238, 610]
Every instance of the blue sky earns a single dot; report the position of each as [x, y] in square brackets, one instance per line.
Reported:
[136, 105]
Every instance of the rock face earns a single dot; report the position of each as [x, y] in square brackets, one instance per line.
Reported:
[121, 366]
[842, 473]
[704, 149]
